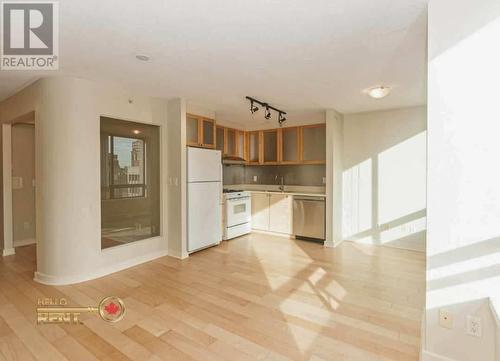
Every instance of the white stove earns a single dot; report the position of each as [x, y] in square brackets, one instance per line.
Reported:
[238, 213]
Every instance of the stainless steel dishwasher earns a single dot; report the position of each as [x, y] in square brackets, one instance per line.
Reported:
[309, 217]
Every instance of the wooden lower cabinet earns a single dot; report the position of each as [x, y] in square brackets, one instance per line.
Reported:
[272, 212]
[260, 211]
[280, 213]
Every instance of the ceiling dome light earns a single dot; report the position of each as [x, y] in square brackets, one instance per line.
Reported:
[142, 57]
[379, 92]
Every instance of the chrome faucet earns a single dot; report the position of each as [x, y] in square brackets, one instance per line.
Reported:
[282, 183]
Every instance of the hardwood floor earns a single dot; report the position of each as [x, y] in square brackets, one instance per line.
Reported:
[258, 297]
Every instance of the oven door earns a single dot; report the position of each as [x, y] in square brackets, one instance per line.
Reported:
[238, 211]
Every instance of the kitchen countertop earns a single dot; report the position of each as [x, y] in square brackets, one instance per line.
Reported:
[274, 189]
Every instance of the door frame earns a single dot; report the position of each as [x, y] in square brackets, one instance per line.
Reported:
[8, 231]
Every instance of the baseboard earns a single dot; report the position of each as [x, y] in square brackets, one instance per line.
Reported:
[385, 245]
[67, 280]
[175, 254]
[24, 242]
[429, 356]
[8, 252]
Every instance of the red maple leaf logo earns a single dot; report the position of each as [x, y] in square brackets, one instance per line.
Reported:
[111, 308]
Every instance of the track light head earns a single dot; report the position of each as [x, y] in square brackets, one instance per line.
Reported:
[253, 108]
[281, 119]
[268, 113]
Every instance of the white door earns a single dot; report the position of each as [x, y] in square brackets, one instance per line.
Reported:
[280, 213]
[260, 211]
[204, 215]
[204, 165]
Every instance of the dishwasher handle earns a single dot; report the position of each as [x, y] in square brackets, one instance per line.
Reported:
[309, 198]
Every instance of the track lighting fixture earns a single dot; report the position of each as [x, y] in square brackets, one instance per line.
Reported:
[281, 119]
[267, 115]
[253, 108]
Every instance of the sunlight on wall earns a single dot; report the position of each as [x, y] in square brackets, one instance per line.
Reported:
[404, 230]
[463, 262]
[385, 196]
[467, 265]
[465, 187]
[357, 197]
[402, 179]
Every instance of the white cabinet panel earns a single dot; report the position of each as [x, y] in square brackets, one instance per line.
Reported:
[260, 211]
[280, 213]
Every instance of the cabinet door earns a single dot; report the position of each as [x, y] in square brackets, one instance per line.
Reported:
[253, 147]
[192, 130]
[270, 146]
[314, 143]
[241, 144]
[230, 146]
[290, 145]
[208, 133]
[219, 137]
[260, 211]
[280, 213]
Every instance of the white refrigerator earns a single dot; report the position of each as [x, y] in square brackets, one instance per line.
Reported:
[204, 192]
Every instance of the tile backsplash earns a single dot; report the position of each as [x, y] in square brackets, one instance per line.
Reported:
[299, 175]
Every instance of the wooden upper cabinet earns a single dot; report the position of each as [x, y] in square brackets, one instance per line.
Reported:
[253, 140]
[241, 144]
[313, 144]
[270, 146]
[219, 139]
[289, 145]
[200, 131]
[230, 142]
[192, 130]
[208, 133]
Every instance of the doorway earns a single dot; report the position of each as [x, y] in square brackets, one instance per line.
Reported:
[19, 194]
[23, 184]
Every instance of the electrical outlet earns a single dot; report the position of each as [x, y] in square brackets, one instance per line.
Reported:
[255, 178]
[17, 182]
[445, 319]
[474, 326]
[324, 180]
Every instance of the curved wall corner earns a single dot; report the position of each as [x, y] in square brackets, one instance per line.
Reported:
[67, 172]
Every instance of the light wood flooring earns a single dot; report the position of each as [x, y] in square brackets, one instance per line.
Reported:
[257, 297]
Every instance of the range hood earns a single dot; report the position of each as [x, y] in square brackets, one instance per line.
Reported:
[233, 160]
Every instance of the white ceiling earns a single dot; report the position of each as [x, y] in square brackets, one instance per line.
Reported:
[300, 55]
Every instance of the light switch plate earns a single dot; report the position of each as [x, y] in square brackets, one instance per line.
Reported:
[474, 326]
[255, 178]
[445, 319]
[17, 182]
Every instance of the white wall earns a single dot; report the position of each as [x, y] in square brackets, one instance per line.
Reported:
[67, 112]
[334, 149]
[463, 243]
[384, 178]
[176, 142]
